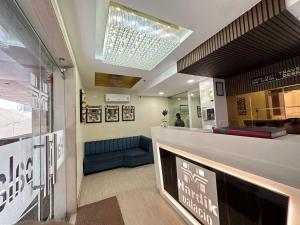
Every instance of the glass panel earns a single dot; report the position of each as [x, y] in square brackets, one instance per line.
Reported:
[19, 75]
[264, 108]
[178, 104]
[26, 88]
[292, 101]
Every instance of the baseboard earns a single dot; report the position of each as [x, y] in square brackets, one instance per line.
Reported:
[72, 219]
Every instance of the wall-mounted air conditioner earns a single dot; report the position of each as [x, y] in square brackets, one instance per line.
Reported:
[117, 98]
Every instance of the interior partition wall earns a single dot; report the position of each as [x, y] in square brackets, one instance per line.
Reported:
[32, 94]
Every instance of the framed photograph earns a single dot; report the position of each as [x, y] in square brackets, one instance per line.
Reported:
[210, 114]
[199, 114]
[94, 114]
[241, 106]
[82, 106]
[184, 108]
[128, 113]
[220, 88]
[112, 113]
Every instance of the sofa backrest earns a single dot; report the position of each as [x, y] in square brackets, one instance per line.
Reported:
[111, 145]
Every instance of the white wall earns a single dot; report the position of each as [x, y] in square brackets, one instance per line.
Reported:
[79, 136]
[147, 114]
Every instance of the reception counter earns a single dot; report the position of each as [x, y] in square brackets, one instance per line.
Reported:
[215, 179]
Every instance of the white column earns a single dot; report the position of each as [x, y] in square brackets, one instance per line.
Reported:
[213, 103]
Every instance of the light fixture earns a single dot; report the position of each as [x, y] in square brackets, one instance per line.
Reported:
[136, 40]
[190, 81]
[161, 93]
[192, 95]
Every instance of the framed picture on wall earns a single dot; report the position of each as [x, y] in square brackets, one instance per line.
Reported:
[112, 113]
[241, 106]
[94, 114]
[199, 114]
[82, 106]
[219, 88]
[128, 113]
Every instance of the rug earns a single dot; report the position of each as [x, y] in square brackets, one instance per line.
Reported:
[32, 222]
[105, 212]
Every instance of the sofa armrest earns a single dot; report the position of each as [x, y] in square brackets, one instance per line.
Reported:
[146, 144]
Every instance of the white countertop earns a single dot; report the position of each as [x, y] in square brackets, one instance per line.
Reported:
[274, 159]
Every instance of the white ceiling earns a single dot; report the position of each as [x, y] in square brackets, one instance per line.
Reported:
[179, 81]
[204, 17]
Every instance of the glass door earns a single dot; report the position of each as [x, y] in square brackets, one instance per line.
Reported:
[179, 110]
[26, 119]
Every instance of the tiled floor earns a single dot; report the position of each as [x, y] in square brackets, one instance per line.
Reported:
[135, 189]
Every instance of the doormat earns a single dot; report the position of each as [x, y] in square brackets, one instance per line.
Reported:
[105, 212]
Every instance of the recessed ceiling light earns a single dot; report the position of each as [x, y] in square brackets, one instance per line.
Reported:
[192, 95]
[161, 93]
[190, 81]
[134, 39]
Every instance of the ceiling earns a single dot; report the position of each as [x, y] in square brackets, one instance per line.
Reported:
[178, 80]
[205, 18]
[269, 40]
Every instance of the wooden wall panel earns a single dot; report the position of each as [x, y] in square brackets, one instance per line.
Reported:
[242, 83]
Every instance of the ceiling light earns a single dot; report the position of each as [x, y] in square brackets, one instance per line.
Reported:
[136, 40]
[192, 95]
[190, 81]
[161, 93]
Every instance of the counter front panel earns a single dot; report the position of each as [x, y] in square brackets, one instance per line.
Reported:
[213, 197]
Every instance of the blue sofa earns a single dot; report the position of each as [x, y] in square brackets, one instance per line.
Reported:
[108, 154]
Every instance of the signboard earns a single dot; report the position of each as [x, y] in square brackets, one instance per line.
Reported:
[16, 177]
[197, 191]
[276, 76]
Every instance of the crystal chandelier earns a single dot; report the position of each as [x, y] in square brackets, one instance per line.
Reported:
[136, 40]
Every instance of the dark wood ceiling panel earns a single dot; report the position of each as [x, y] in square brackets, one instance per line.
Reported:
[266, 34]
[243, 82]
[116, 81]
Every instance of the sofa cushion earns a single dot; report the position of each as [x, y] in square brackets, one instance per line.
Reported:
[134, 152]
[111, 145]
[135, 157]
[104, 157]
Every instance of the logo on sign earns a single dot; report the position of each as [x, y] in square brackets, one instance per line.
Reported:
[197, 191]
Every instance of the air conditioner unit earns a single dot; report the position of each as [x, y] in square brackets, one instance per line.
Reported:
[117, 98]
